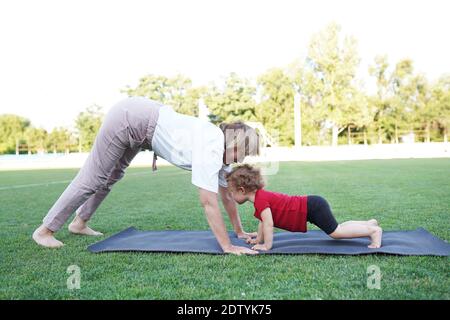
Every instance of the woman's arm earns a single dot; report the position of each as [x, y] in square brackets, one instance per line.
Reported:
[230, 207]
[267, 231]
[210, 204]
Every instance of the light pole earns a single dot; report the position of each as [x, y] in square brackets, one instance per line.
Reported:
[203, 110]
[297, 121]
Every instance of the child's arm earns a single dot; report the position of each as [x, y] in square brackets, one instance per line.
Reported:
[267, 231]
[260, 236]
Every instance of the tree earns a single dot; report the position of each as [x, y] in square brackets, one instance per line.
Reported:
[401, 86]
[333, 63]
[235, 101]
[12, 128]
[440, 102]
[189, 102]
[176, 92]
[59, 140]
[401, 100]
[36, 139]
[423, 114]
[380, 102]
[312, 118]
[276, 109]
[88, 123]
[359, 114]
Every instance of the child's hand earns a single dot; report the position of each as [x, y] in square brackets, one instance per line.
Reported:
[246, 235]
[261, 247]
[251, 241]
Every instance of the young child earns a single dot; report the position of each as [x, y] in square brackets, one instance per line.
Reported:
[291, 213]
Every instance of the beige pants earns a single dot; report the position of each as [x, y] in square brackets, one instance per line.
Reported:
[127, 129]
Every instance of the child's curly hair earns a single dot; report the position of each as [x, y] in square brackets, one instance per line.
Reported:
[247, 177]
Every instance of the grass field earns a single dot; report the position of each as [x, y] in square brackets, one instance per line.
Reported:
[401, 194]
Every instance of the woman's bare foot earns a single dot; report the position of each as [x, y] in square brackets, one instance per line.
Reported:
[376, 236]
[78, 226]
[44, 237]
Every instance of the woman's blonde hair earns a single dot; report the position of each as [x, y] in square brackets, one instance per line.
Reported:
[247, 177]
[240, 135]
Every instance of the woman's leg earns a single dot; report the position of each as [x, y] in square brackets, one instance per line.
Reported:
[110, 144]
[85, 212]
[356, 230]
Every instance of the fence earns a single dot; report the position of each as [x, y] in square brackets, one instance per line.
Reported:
[271, 154]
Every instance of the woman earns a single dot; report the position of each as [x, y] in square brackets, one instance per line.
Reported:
[138, 123]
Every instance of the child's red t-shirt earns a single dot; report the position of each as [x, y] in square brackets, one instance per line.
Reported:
[288, 212]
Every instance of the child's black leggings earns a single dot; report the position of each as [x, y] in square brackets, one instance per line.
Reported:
[319, 213]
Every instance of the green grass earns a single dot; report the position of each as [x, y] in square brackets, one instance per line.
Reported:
[401, 194]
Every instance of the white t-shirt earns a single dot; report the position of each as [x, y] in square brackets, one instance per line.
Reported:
[191, 144]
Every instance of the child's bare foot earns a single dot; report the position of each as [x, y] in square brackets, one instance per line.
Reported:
[376, 236]
[78, 226]
[44, 237]
[373, 222]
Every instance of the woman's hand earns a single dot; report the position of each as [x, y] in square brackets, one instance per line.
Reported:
[246, 235]
[261, 247]
[251, 241]
[239, 250]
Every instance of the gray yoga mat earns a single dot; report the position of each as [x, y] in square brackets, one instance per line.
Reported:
[414, 242]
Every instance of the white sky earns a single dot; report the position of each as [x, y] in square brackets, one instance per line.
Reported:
[59, 57]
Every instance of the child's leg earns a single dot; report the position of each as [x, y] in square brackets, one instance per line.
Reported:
[371, 222]
[355, 230]
[319, 213]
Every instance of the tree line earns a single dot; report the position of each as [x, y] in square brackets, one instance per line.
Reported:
[335, 107]
[17, 135]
